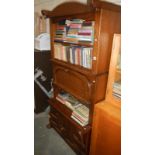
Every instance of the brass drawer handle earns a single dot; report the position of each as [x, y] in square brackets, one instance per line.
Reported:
[66, 70]
[53, 116]
[62, 128]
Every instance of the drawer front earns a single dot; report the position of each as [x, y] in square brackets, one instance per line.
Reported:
[75, 137]
[58, 122]
[80, 139]
[73, 82]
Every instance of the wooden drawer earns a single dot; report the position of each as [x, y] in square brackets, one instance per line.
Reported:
[58, 122]
[73, 82]
[76, 138]
[80, 139]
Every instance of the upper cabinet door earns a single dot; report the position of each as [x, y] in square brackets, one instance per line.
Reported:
[113, 93]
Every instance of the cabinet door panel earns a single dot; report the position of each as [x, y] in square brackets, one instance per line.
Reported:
[76, 138]
[73, 82]
[58, 122]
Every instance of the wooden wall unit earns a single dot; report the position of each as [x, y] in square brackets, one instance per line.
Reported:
[106, 128]
[87, 84]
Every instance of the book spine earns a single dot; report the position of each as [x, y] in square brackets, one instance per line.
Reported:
[77, 121]
[81, 118]
[60, 100]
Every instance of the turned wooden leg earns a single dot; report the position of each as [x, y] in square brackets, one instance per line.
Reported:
[49, 126]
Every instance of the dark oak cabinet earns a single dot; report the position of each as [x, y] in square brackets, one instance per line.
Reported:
[80, 64]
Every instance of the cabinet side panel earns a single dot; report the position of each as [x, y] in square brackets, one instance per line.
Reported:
[106, 131]
[100, 87]
[52, 31]
[110, 24]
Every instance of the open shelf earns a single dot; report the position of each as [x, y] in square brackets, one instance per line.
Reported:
[74, 43]
[66, 112]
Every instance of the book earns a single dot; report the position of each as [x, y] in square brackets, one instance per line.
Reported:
[80, 113]
[82, 118]
[75, 30]
[117, 89]
[68, 100]
[82, 110]
[79, 122]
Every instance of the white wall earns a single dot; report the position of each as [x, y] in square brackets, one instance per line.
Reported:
[50, 4]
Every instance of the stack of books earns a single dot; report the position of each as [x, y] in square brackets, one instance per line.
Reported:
[75, 30]
[117, 89]
[86, 33]
[61, 29]
[81, 115]
[74, 27]
[68, 100]
[79, 55]
[61, 51]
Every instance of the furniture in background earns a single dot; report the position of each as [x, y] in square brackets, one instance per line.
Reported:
[106, 128]
[42, 81]
[41, 24]
[81, 41]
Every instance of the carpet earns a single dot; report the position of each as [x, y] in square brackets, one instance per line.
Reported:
[47, 141]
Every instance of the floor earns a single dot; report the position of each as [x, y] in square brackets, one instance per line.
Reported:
[47, 141]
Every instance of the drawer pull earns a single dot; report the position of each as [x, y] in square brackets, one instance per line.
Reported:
[62, 128]
[75, 137]
[79, 140]
[79, 136]
[66, 70]
[53, 116]
[54, 123]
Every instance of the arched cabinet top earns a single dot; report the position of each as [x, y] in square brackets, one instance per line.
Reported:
[71, 8]
[68, 8]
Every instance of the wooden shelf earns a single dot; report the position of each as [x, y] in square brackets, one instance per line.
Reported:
[72, 66]
[74, 43]
[84, 102]
[66, 112]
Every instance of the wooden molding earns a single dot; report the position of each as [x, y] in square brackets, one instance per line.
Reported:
[68, 8]
[106, 5]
